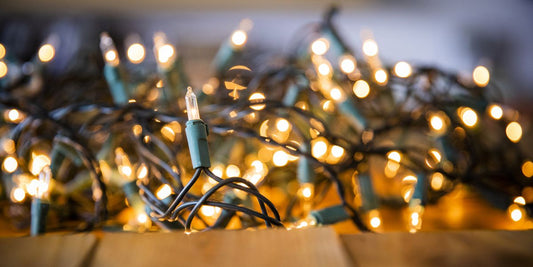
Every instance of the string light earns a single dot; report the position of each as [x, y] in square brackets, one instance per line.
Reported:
[3, 69]
[402, 69]
[238, 38]
[46, 53]
[437, 181]
[10, 164]
[347, 64]
[519, 200]
[282, 125]
[481, 76]
[320, 46]
[18, 194]
[370, 48]
[233, 171]
[163, 191]
[2, 51]
[496, 112]
[515, 212]
[468, 116]
[381, 76]
[361, 89]
[514, 131]
[257, 97]
[136, 53]
[527, 169]
[280, 158]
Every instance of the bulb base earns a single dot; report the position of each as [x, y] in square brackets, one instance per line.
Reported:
[196, 131]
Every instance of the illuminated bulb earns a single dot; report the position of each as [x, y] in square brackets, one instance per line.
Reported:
[415, 220]
[14, 116]
[402, 69]
[324, 69]
[319, 149]
[437, 180]
[328, 106]
[109, 50]
[192, 105]
[238, 38]
[307, 191]
[32, 187]
[2, 51]
[142, 172]
[347, 64]
[481, 76]
[44, 183]
[136, 53]
[361, 89]
[163, 191]
[142, 218]
[165, 53]
[18, 194]
[218, 170]
[394, 156]
[3, 69]
[370, 48]
[258, 166]
[381, 76]
[336, 94]
[337, 151]
[10, 164]
[280, 158]
[9, 146]
[137, 130]
[375, 220]
[514, 131]
[468, 116]
[282, 125]
[233, 171]
[168, 133]
[38, 162]
[320, 47]
[46, 53]
[496, 112]
[436, 154]
[527, 169]
[123, 163]
[515, 212]
[519, 200]
[257, 97]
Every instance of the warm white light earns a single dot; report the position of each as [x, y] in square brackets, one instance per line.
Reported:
[137, 130]
[233, 171]
[361, 89]
[437, 180]
[257, 97]
[2, 51]
[320, 47]
[337, 151]
[515, 212]
[136, 53]
[336, 94]
[165, 53]
[519, 200]
[527, 169]
[46, 53]
[192, 105]
[324, 69]
[10, 164]
[38, 162]
[14, 116]
[282, 125]
[375, 220]
[142, 218]
[436, 123]
[381, 76]
[319, 149]
[110, 55]
[402, 69]
[435, 154]
[514, 131]
[142, 172]
[218, 170]
[163, 191]
[280, 158]
[3, 69]
[108, 50]
[481, 76]
[18, 194]
[347, 64]
[394, 156]
[370, 48]
[238, 38]
[468, 116]
[307, 191]
[496, 112]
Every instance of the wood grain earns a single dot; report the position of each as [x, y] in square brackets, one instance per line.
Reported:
[312, 247]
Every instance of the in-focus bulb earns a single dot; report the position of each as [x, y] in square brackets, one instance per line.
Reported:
[192, 105]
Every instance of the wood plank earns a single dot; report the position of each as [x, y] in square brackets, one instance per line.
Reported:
[49, 250]
[272, 247]
[462, 248]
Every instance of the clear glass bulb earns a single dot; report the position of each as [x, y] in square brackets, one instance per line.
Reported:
[192, 105]
[44, 183]
[109, 51]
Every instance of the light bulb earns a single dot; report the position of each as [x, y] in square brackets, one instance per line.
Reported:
[238, 38]
[481, 76]
[320, 47]
[402, 69]
[496, 112]
[361, 89]
[347, 64]
[192, 105]
[44, 183]
[2, 51]
[109, 51]
[123, 163]
[165, 53]
[10, 164]
[3, 69]
[370, 48]
[163, 192]
[136, 53]
[514, 131]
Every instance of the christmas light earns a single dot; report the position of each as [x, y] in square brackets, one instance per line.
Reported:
[402, 69]
[3, 69]
[136, 53]
[381, 76]
[320, 46]
[361, 89]
[10, 164]
[481, 76]
[514, 131]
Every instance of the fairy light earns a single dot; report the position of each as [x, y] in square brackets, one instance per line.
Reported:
[347, 64]
[136, 53]
[3, 69]
[233, 171]
[324, 69]
[468, 116]
[320, 46]
[361, 89]
[8, 145]
[257, 97]
[2, 51]
[336, 94]
[282, 125]
[238, 38]
[319, 149]
[14, 116]
[437, 181]
[137, 130]
[10, 164]
[163, 191]
[375, 219]
[515, 212]
[168, 133]
[370, 48]
[109, 50]
[402, 69]
[337, 151]
[496, 112]
[38, 162]
[142, 218]
[481, 76]
[280, 158]
[123, 163]
[142, 171]
[18, 194]
[31, 188]
[381, 76]
[520, 200]
[165, 53]
[514, 131]
[328, 106]
[527, 169]
[46, 53]
[394, 156]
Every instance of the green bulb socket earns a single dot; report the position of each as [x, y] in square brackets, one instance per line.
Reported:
[330, 215]
[196, 131]
[39, 211]
[116, 85]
